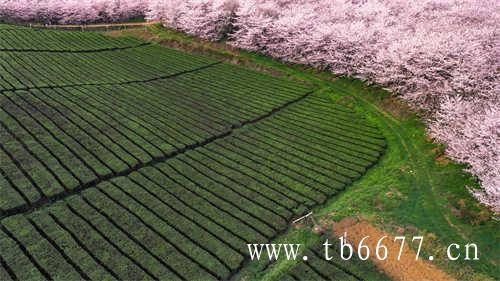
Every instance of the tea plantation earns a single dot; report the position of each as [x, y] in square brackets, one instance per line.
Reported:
[121, 159]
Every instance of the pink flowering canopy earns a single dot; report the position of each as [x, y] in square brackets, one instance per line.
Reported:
[439, 55]
[71, 11]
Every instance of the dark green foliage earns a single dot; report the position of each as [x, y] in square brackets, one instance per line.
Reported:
[121, 160]
[25, 39]
[317, 267]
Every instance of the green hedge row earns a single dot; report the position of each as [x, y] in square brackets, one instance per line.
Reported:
[14, 38]
[318, 268]
[63, 138]
[191, 216]
[139, 177]
[49, 69]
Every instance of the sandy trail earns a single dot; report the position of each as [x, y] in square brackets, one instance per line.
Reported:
[405, 269]
[100, 25]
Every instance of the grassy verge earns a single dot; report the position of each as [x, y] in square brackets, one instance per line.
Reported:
[413, 190]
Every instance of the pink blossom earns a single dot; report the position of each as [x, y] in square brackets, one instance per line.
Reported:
[71, 11]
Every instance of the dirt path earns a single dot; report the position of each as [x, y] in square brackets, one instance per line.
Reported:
[405, 269]
[100, 25]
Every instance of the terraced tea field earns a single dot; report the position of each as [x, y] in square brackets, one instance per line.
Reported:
[121, 159]
[318, 268]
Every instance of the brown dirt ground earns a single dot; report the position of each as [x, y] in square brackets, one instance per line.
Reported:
[407, 268]
[98, 25]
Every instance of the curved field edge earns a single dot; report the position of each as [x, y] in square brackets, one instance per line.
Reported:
[413, 190]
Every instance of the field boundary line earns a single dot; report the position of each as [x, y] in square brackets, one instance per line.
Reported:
[74, 51]
[45, 201]
[161, 77]
[90, 26]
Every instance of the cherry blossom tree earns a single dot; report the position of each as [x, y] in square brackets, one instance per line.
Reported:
[208, 19]
[71, 11]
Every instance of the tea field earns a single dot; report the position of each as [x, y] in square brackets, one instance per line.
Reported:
[122, 159]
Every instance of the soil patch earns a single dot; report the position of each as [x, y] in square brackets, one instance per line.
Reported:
[406, 268]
